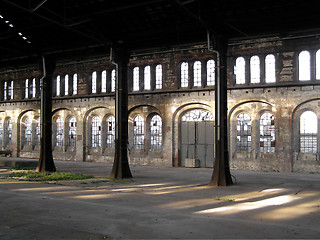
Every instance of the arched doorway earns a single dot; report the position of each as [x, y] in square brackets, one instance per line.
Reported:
[197, 138]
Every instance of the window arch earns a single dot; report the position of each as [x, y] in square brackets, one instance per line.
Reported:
[104, 81]
[197, 115]
[96, 132]
[8, 132]
[27, 132]
[58, 85]
[240, 70]
[308, 132]
[211, 72]
[136, 79]
[72, 134]
[59, 133]
[156, 132]
[138, 133]
[304, 66]
[267, 133]
[254, 69]
[94, 82]
[318, 65]
[270, 70]
[159, 76]
[197, 74]
[147, 78]
[243, 133]
[113, 80]
[184, 74]
[111, 132]
[75, 84]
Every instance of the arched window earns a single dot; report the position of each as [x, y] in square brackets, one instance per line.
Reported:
[136, 79]
[211, 77]
[27, 132]
[66, 85]
[26, 88]
[159, 76]
[113, 80]
[318, 65]
[147, 78]
[59, 134]
[267, 133]
[243, 133]
[110, 132]
[75, 84]
[138, 133]
[308, 132]
[104, 81]
[8, 134]
[197, 74]
[240, 70]
[10, 90]
[34, 88]
[94, 82]
[184, 74]
[156, 132]
[37, 143]
[58, 85]
[1, 132]
[254, 69]
[270, 71]
[304, 66]
[197, 115]
[96, 132]
[72, 132]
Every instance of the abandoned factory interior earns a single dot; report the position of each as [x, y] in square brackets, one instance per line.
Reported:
[163, 79]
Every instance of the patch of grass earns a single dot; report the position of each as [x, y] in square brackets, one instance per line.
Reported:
[47, 176]
[22, 168]
[224, 199]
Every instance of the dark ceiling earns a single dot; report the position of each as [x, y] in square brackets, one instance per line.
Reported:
[68, 27]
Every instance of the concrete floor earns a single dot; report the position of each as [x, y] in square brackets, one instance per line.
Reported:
[161, 203]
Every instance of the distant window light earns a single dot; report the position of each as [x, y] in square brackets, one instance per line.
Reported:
[104, 81]
[318, 65]
[308, 132]
[240, 71]
[211, 72]
[66, 85]
[59, 134]
[270, 71]
[113, 80]
[267, 133]
[138, 133]
[26, 88]
[197, 74]
[19, 33]
[11, 25]
[254, 69]
[96, 132]
[5, 85]
[10, 90]
[147, 78]
[34, 88]
[304, 66]
[243, 133]
[1, 131]
[111, 132]
[27, 132]
[94, 82]
[156, 132]
[159, 76]
[75, 84]
[58, 86]
[184, 74]
[72, 132]
[136, 82]
[38, 131]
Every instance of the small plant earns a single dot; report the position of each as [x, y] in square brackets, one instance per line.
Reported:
[47, 176]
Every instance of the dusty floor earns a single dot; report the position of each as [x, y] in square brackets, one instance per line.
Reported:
[161, 203]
